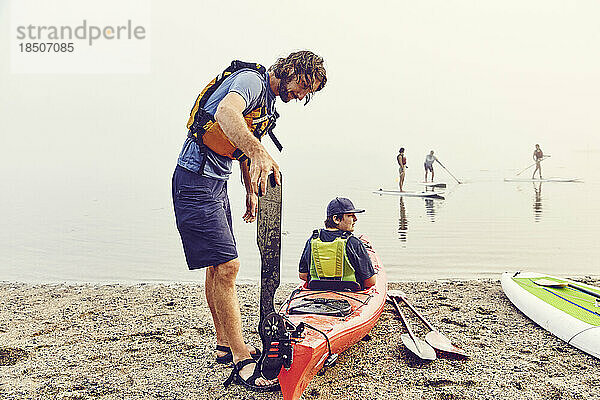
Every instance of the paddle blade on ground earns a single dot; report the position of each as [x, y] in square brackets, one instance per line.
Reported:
[442, 343]
[435, 338]
[419, 347]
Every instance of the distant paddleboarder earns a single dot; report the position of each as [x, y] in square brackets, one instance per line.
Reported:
[538, 155]
[401, 158]
[429, 160]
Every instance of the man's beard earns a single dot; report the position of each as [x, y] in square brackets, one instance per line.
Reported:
[284, 94]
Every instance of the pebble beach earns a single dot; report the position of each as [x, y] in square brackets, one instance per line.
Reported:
[151, 341]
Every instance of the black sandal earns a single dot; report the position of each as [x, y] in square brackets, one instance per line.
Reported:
[228, 358]
[249, 383]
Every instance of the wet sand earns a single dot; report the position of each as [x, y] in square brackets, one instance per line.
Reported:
[156, 342]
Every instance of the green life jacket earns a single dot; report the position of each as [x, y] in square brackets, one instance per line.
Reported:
[329, 261]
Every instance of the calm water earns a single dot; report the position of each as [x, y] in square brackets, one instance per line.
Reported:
[120, 227]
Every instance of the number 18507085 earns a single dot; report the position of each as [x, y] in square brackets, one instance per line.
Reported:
[48, 47]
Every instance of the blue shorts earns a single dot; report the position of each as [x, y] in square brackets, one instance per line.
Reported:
[203, 219]
[428, 167]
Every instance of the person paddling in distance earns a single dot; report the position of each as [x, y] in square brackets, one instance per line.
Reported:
[401, 158]
[429, 160]
[320, 264]
[538, 155]
[229, 117]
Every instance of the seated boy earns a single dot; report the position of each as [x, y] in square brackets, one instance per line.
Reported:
[334, 259]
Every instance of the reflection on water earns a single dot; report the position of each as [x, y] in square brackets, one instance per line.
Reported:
[430, 209]
[537, 202]
[432, 204]
[403, 221]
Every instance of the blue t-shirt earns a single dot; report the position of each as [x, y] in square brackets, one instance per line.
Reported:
[255, 90]
[355, 250]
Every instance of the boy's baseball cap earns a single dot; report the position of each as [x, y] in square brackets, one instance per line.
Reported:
[341, 205]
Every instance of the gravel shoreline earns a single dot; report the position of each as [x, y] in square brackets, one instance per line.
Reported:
[153, 341]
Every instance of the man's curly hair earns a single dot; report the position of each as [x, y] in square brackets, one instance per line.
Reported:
[303, 63]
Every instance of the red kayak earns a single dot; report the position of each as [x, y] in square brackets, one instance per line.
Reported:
[325, 336]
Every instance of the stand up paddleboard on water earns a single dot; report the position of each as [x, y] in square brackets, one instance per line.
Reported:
[431, 195]
[515, 179]
[567, 309]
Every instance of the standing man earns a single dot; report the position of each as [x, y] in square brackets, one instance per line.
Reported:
[402, 167]
[538, 155]
[429, 160]
[230, 116]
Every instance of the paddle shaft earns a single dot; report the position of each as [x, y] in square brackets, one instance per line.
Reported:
[459, 182]
[422, 318]
[584, 290]
[405, 322]
[543, 158]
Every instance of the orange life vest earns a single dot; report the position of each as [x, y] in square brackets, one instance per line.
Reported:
[205, 130]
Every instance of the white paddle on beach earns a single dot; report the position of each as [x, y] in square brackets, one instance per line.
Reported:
[418, 346]
[435, 338]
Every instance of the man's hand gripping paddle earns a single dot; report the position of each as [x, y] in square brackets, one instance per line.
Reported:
[273, 329]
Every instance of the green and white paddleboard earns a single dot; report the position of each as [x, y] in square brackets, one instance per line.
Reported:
[569, 310]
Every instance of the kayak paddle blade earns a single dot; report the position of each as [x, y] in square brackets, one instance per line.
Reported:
[419, 347]
[442, 343]
[436, 339]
